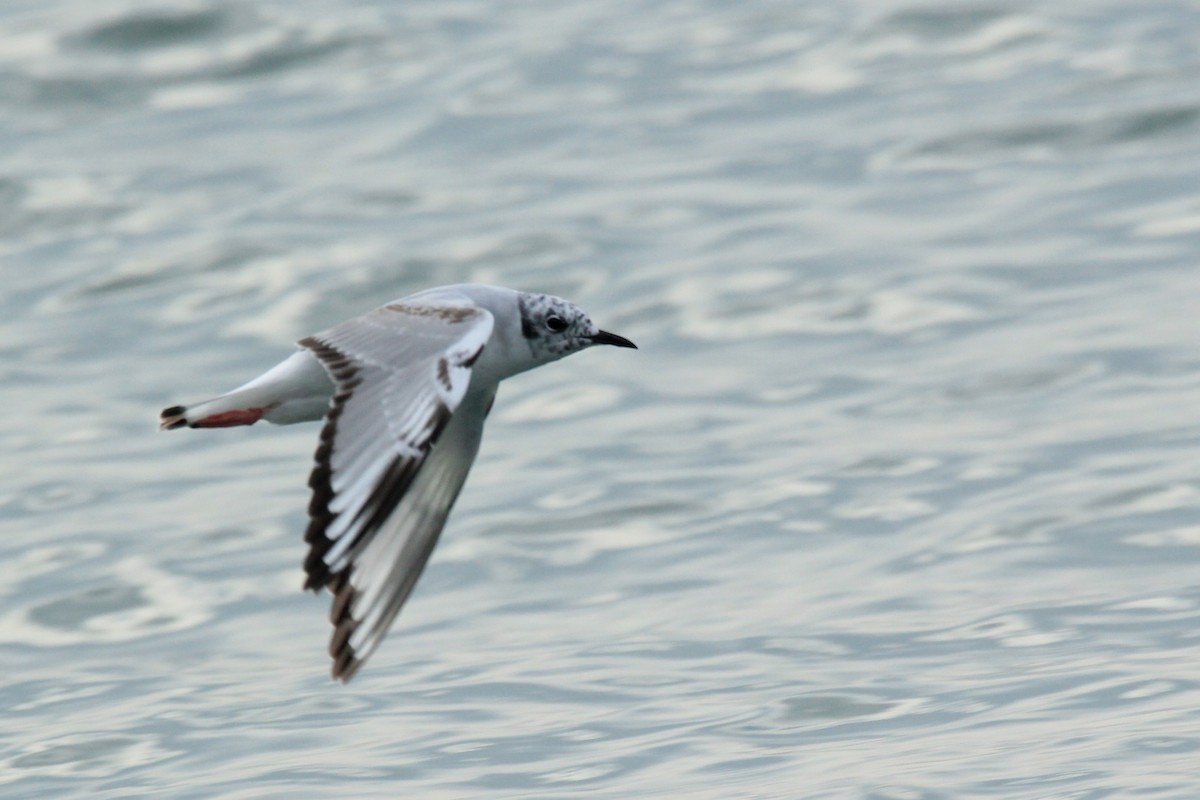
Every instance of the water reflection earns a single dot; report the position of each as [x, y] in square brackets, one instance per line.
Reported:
[897, 502]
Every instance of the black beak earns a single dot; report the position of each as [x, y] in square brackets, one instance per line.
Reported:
[604, 337]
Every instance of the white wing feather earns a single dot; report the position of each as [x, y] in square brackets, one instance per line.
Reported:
[381, 488]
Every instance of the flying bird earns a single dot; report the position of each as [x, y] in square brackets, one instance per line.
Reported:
[403, 392]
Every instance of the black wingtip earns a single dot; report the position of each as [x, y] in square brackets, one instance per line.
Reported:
[345, 660]
[344, 669]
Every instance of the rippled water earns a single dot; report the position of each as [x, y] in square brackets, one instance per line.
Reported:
[898, 499]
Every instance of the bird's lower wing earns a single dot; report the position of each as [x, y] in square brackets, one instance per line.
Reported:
[369, 594]
[400, 374]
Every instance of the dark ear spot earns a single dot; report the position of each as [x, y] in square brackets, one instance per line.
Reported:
[528, 329]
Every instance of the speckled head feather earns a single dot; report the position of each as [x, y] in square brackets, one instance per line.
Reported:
[554, 327]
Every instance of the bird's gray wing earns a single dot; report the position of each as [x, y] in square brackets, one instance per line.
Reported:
[400, 373]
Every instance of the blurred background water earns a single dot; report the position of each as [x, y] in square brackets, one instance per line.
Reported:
[898, 500]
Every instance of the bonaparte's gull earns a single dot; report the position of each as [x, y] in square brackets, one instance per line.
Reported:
[403, 392]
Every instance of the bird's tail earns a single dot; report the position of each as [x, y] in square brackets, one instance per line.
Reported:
[297, 389]
[171, 418]
[225, 411]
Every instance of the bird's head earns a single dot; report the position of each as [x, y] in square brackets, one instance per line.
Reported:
[554, 328]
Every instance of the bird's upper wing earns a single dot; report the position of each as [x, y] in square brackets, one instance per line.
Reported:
[379, 497]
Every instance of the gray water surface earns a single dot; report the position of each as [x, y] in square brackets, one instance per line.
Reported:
[897, 501]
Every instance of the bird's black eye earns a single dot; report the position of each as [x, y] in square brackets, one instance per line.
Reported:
[556, 324]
